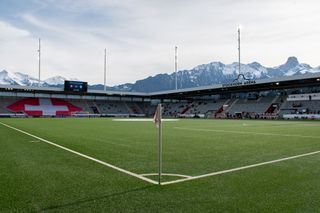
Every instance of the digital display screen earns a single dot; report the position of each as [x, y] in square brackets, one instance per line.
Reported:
[75, 86]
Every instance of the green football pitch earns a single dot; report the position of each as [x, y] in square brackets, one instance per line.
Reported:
[104, 165]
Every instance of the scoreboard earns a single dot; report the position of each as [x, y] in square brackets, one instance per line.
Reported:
[75, 86]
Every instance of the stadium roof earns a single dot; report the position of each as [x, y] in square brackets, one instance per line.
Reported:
[58, 90]
[286, 82]
[298, 81]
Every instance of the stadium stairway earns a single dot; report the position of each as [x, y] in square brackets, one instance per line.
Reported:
[230, 104]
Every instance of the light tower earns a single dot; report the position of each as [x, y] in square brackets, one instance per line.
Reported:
[176, 65]
[239, 50]
[39, 64]
[105, 69]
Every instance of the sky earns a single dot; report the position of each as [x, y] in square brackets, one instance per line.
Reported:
[140, 35]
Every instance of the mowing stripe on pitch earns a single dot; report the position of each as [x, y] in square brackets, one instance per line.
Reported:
[34, 141]
[241, 168]
[83, 155]
[245, 132]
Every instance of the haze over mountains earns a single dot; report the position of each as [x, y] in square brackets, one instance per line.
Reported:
[202, 75]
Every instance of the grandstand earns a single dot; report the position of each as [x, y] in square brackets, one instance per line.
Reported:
[270, 98]
[259, 105]
[4, 102]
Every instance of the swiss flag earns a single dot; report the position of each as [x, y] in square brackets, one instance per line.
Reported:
[43, 107]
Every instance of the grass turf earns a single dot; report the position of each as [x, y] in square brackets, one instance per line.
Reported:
[35, 176]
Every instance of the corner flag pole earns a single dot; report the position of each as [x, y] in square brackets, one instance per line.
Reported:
[160, 142]
[157, 119]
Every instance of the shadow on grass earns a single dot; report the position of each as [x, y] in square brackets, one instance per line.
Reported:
[85, 200]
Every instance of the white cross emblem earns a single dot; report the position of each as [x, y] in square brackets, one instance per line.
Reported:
[45, 105]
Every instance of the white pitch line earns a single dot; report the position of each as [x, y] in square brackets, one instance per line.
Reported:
[84, 156]
[141, 119]
[245, 132]
[241, 168]
[166, 174]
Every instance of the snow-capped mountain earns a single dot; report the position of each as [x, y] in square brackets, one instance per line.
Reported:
[57, 80]
[21, 79]
[219, 73]
[202, 75]
[17, 78]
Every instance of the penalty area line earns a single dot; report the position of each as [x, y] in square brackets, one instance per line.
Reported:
[166, 174]
[240, 168]
[141, 119]
[247, 132]
[83, 155]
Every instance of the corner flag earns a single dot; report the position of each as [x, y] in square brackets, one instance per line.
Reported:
[157, 120]
[157, 116]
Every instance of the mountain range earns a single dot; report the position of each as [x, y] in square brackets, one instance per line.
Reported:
[202, 75]
[18, 78]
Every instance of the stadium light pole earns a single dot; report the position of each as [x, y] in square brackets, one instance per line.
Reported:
[39, 64]
[176, 65]
[239, 50]
[105, 69]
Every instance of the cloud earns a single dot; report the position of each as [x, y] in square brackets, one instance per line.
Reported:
[16, 48]
[9, 32]
[140, 35]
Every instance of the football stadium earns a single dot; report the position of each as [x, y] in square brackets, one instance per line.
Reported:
[250, 145]
[217, 136]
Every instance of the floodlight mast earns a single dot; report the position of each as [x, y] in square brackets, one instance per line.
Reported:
[39, 64]
[105, 69]
[176, 65]
[239, 50]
